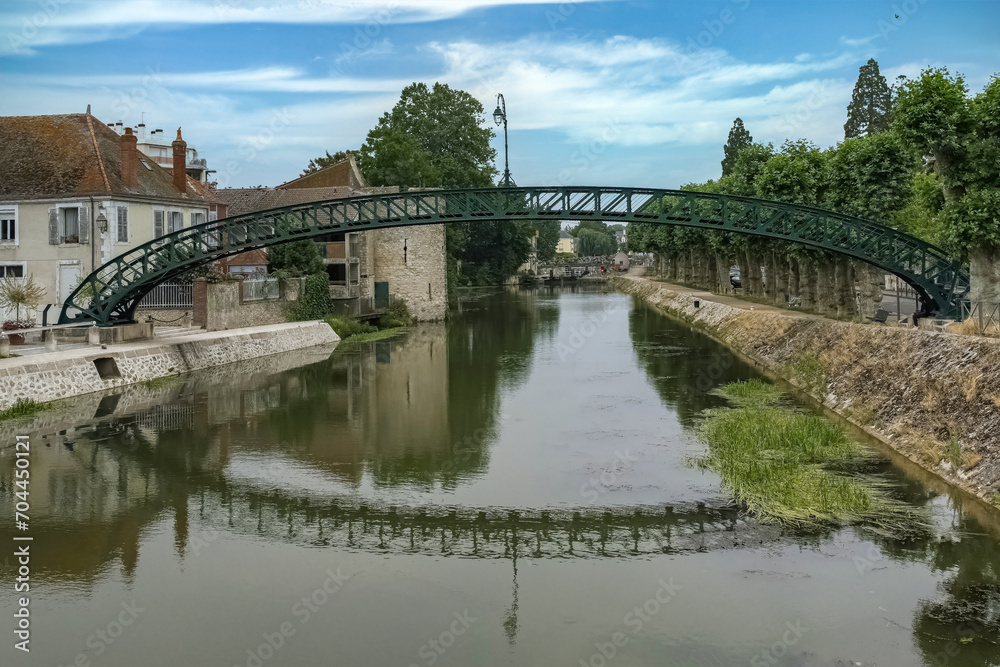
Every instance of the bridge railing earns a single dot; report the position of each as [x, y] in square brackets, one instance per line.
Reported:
[170, 295]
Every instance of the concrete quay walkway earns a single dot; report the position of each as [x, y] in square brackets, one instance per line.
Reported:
[81, 369]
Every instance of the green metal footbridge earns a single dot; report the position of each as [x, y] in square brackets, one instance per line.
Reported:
[111, 294]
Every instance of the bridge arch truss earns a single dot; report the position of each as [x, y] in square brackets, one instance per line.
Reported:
[111, 294]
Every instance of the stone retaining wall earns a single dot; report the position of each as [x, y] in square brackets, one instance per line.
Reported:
[48, 377]
[934, 397]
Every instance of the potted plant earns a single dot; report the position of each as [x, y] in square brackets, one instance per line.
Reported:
[18, 294]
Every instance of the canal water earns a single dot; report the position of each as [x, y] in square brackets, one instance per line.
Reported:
[514, 487]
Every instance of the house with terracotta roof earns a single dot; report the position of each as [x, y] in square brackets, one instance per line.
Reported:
[74, 194]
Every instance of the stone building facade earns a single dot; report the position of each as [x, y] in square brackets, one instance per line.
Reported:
[412, 260]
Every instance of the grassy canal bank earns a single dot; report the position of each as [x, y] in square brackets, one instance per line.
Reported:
[932, 397]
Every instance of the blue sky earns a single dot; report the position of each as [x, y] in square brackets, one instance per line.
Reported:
[607, 93]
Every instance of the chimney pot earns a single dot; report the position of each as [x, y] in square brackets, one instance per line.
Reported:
[180, 163]
[130, 160]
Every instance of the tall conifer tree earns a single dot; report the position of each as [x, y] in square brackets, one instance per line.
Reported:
[870, 105]
[739, 138]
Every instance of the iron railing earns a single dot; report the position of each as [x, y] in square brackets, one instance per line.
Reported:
[260, 289]
[364, 306]
[169, 295]
[984, 315]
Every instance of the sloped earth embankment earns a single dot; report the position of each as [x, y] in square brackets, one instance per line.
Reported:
[933, 397]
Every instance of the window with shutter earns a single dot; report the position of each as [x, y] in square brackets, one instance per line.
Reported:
[176, 222]
[84, 224]
[123, 224]
[157, 224]
[53, 227]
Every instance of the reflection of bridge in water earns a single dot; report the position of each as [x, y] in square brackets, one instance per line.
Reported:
[485, 533]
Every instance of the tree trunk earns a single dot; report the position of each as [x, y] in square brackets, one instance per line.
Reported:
[794, 275]
[984, 270]
[752, 281]
[722, 274]
[826, 287]
[807, 271]
[744, 273]
[871, 279]
[844, 287]
[710, 274]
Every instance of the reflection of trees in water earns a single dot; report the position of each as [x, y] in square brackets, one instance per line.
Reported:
[682, 364]
[490, 346]
[961, 626]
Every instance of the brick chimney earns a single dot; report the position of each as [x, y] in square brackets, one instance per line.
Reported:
[180, 163]
[130, 160]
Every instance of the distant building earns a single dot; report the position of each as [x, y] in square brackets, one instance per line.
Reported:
[622, 261]
[155, 146]
[74, 194]
[567, 243]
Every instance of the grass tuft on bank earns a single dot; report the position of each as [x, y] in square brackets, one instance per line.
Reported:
[23, 407]
[790, 467]
[394, 322]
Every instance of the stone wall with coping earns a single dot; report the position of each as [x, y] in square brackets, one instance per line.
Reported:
[48, 377]
[219, 306]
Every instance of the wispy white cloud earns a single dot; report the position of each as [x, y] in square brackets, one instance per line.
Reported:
[29, 25]
[624, 93]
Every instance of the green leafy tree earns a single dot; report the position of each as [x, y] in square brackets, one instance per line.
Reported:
[449, 128]
[797, 175]
[324, 161]
[932, 115]
[749, 163]
[548, 237]
[871, 103]
[739, 138]
[593, 243]
[438, 137]
[299, 258]
[870, 176]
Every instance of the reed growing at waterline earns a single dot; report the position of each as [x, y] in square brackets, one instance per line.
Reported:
[788, 466]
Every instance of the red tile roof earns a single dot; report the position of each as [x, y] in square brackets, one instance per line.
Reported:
[73, 155]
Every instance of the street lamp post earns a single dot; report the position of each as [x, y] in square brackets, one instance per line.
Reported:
[500, 116]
